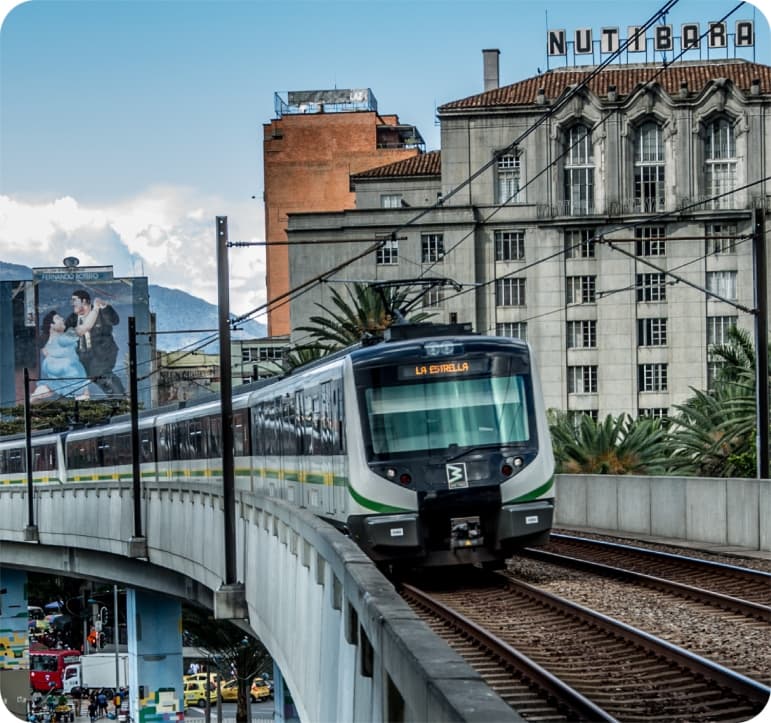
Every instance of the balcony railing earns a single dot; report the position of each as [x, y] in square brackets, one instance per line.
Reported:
[637, 206]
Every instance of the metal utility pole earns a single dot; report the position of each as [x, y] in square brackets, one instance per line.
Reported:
[226, 387]
[116, 634]
[28, 449]
[134, 408]
[761, 340]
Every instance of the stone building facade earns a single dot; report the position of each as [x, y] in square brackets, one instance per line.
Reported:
[605, 216]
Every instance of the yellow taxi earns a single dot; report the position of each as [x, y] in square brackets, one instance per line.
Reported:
[259, 690]
[229, 691]
[195, 693]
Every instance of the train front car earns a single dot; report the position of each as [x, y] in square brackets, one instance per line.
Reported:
[455, 464]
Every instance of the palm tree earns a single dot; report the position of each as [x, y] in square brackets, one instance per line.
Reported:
[368, 312]
[713, 433]
[620, 445]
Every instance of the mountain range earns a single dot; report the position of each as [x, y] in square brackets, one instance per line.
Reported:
[175, 311]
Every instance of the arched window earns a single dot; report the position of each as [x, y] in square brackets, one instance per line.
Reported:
[579, 171]
[649, 169]
[720, 163]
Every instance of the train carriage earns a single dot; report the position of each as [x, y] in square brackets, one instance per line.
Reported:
[47, 460]
[429, 448]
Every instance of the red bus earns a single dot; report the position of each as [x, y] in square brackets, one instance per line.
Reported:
[46, 668]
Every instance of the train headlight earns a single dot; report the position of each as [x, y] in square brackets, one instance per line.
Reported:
[391, 473]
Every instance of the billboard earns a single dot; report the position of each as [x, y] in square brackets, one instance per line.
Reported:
[69, 328]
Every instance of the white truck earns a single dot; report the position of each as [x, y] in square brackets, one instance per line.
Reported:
[96, 671]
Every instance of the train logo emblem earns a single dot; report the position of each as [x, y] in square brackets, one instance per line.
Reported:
[456, 475]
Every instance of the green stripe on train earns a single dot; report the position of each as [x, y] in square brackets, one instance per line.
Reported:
[533, 494]
[372, 505]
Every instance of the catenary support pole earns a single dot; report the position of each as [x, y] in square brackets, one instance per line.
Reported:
[226, 385]
[134, 408]
[761, 340]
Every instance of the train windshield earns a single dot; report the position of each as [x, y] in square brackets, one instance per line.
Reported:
[436, 414]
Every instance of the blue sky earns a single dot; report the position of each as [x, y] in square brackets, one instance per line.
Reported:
[126, 126]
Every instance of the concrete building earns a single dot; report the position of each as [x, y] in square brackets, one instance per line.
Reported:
[586, 211]
[316, 141]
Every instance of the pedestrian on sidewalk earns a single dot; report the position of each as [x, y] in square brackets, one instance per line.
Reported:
[92, 709]
[77, 697]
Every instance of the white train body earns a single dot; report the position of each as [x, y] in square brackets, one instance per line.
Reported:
[427, 450]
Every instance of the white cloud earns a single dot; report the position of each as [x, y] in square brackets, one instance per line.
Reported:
[166, 233]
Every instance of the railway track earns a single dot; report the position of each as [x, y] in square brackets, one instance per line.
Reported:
[726, 586]
[554, 660]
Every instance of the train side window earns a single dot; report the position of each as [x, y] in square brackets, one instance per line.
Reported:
[215, 437]
[258, 428]
[123, 448]
[240, 433]
[146, 446]
[104, 451]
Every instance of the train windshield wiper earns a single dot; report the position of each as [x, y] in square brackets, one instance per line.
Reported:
[467, 450]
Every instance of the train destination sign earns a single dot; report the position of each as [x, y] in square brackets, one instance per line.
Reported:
[663, 38]
[444, 368]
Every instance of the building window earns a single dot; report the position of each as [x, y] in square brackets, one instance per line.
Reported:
[717, 329]
[432, 247]
[508, 181]
[390, 200]
[579, 243]
[651, 287]
[509, 245]
[654, 412]
[652, 377]
[714, 367]
[649, 169]
[581, 289]
[582, 334]
[720, 163]
[510, 292]
[579, 171]
[649, 241]
[575, 416]
[433, 297]
[722, 283]
[388, 255]
[515, 329]
[721, 238]
[582, 380]
[268, 353]
[651, 332]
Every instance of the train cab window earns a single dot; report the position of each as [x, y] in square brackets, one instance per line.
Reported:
[434, 415]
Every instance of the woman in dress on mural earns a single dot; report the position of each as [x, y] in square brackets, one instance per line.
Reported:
[60, 368]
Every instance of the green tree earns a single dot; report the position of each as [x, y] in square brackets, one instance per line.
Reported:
[367, 312]
[234, 650]
[617, 445]
[713, 432]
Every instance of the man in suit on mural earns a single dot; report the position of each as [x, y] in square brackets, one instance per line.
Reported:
[97, 349]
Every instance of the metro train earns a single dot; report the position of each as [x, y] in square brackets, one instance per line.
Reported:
[429, 448]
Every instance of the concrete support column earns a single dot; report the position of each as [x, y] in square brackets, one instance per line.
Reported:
[284, 708]
[14, 640]
[155, 657]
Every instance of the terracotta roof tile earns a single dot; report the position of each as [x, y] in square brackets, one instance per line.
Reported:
[626, 78]
[424, 164]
